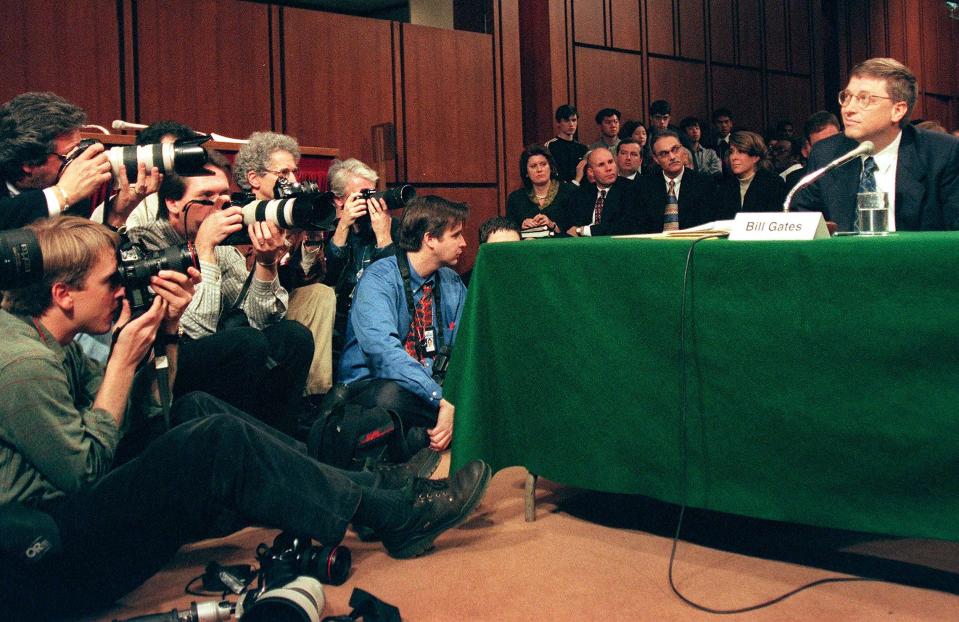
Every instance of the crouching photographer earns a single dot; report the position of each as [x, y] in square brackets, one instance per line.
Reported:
[77, 532]
[236, 345]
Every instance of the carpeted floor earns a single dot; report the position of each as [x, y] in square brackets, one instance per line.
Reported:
[594, 556]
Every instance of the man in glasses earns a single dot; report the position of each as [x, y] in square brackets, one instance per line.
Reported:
[37, 132]
[674, 197]
[236, 343]
[264, 162]
[918, 170]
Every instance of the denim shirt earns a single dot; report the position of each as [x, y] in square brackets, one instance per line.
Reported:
[380, 321]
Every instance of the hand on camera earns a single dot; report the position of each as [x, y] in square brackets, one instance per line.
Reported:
[177, 290]
[136, 336]
[81, 177]
[355, 207]
[216, 227]
[381, 221]
[130, 195]
[269, 242]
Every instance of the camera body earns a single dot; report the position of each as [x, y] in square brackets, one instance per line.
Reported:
[290, 579]
[296, 206]
[136, 265]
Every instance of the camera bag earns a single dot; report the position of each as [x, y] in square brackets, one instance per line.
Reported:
[350, 436]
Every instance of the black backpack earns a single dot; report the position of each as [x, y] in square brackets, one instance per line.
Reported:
[352, 437]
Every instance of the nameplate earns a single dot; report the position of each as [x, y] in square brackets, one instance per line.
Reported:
[779, 226]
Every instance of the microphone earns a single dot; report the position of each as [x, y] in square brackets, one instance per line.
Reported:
[123, 125]
[866, 147]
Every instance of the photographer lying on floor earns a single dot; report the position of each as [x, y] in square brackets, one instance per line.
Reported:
[108, 528]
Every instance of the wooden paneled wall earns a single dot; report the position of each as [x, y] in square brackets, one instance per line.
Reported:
[234, 67]
[918, 33]
[766, 60]
[756, 57]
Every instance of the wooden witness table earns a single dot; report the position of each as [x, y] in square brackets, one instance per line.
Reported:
[820, 381]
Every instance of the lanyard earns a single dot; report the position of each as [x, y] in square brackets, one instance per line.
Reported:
[403, 264]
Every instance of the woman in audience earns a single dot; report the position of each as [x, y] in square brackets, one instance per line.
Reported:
[752, 187]
[543, 199]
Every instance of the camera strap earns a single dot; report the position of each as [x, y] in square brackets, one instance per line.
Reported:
[404, 266]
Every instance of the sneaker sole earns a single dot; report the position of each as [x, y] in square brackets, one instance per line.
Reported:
[423, 543]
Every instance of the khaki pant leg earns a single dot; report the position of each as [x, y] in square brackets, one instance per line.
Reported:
[314, 306]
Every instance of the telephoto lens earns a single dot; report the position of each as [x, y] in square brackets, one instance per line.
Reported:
[186, 157]
[300, 600]
[395, 198]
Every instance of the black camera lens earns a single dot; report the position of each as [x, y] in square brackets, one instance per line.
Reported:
[21, 262]
[135, 266]
[395, 198]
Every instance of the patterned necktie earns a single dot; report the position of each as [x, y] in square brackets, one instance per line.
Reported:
[867, 183]
[421, 321]
[598, 208]
[671, 222]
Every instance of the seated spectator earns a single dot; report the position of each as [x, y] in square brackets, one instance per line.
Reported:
[38, 131]
[607, 120]
[785, 156]
[610, 207]
[818, 126]
[752, 187]
[705, 160]
[674, 197]
[629, 159]
[543, 198]
[659, 114]
[723, 128]
[112, 527]
[567, 152]
[494, 230]
[260, 164]
[405, 319]
[932, 126]
[637, 130]
[365, 233]
[236, 344]
[144, 194]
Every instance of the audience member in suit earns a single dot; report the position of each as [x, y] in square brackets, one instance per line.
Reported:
[38, 131]
[918, 170]
[610, 207]
[638, 131]
[751, 187]
[494, 230]
[786, 156]
[818, 126]
[567, 152]
[705, 160]
[694, 191]
[629, 159]
[723, 126]
[543, 199]
[607, 120]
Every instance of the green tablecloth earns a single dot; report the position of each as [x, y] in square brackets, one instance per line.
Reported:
[820, 377]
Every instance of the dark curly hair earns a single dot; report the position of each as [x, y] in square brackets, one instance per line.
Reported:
[529, 152]
[28, 125]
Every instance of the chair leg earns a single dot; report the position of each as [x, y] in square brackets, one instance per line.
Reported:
[529, 496]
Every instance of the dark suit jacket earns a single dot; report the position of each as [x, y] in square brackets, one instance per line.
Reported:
[696, 200]
[765, 194]
[22, 209]
[620, 209]
[927, 182]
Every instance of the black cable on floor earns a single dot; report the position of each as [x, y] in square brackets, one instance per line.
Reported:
[685, 466]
